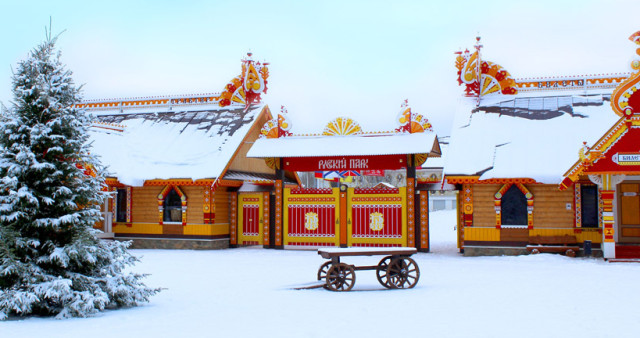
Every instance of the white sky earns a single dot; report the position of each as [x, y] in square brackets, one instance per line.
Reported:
[328, 58]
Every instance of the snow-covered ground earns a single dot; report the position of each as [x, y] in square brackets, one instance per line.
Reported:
[248, 293]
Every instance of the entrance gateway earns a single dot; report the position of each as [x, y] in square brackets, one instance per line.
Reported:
[382, 216]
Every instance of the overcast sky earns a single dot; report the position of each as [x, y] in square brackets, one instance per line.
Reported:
[328, 58]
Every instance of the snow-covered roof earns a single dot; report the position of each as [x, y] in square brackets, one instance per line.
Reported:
[529, 135]
[193, 139]
[354, 145]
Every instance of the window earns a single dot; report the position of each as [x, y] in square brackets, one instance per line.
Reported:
[589, 206]
[514, 207]
[172, 207]
[121, 205]
[439, 205]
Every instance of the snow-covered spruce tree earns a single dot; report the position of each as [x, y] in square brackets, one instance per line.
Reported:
[51, 262]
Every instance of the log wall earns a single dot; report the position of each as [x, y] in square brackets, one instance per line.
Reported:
[549, 206]
[222, 206]
[144, 204]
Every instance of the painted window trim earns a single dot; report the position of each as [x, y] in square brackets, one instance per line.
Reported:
[114, 205]
[578, 206]
[498, 204]
[163, 194]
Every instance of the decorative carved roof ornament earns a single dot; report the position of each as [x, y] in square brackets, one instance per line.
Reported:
[625, 100]
[411, 122]
[247, 87]
[278, 126]
[482, 77]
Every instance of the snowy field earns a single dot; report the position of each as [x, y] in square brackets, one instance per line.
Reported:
[247, 293]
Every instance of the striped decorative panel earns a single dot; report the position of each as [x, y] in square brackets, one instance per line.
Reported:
[308, 220]
[250, 220]
[377, 221]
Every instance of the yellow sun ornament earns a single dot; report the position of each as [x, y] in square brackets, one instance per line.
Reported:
[342, 126]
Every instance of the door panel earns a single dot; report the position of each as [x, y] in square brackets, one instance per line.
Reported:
[311, 217]
[250, 219]
[377, 217]
[629, 198]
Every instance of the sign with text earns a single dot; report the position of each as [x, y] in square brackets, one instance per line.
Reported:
[339, 163]
[626, 158]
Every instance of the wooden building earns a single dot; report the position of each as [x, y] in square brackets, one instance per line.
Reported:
[175, 162]
[513, 141]
[612, 163]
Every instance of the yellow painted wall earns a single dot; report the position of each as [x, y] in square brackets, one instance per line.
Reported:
[138, 228]
[484, 212]
[207, 229]
[550, 206]
[195, 200]
[222, 205]
[481, 234]
[550, 214]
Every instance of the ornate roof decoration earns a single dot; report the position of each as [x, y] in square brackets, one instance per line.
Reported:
[411, 122]
[278, 126]
[246, 87]
[482, 77]
[625, 100]
[342, 126]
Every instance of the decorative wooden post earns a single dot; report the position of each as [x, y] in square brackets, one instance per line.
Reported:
[265, 217]
[279, 193]
[233, 219]
[208, 206]
[467, 204]
[467, 212]
[129, 199]
[411, 210]
[606, 185]
[343, 216]
[607, 193]
[424, 221]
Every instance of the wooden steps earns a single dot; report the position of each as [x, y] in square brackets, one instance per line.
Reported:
[627, 251]
[624, 260]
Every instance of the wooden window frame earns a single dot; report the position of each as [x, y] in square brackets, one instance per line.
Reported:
[498, 203]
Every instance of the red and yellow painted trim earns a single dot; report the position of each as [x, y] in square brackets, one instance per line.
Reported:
[233, 225]
[163, 194]
[399, 198]
[312, 197]
[460, 179]
[250, 200]
[424, 220]
[498, 203]
[467, 204]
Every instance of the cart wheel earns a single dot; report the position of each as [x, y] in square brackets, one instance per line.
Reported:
[403, 273]
[381, 272]
[340, 277]
[322, 272]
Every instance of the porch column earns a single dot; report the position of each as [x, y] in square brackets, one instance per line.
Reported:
[608, 243]
[424, 221]
[607, 185]
[411, 210]
[279, 193]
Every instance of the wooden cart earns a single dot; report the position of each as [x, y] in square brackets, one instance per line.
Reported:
[395, 271]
